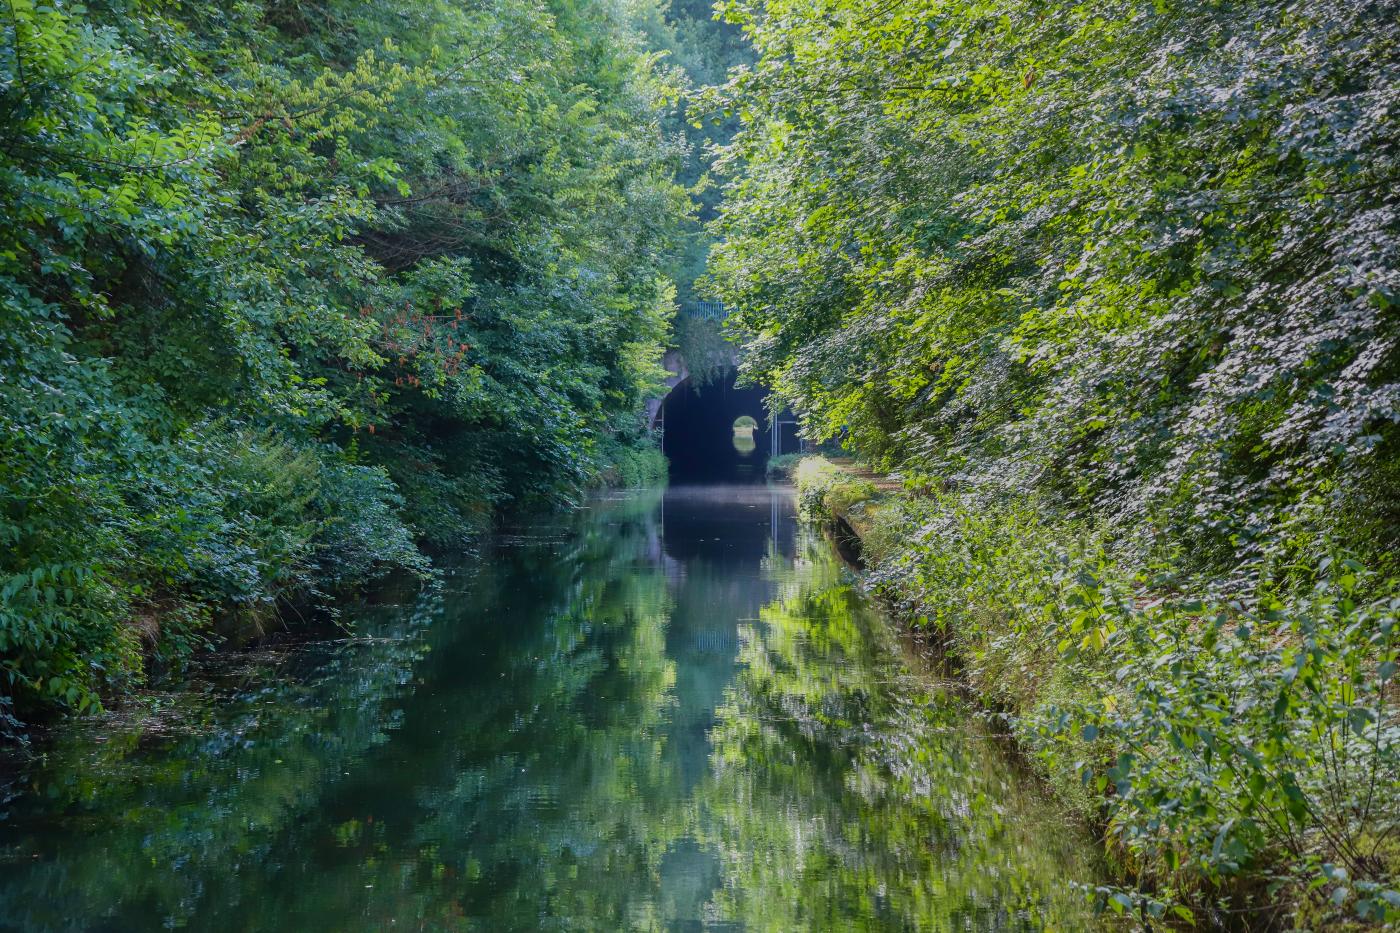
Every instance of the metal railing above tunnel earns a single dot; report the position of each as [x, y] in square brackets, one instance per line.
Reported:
[705, 310]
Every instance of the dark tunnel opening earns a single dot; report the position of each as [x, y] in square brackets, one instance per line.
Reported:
[705, 439]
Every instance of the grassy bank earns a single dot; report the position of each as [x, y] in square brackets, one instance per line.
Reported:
[1237, 743]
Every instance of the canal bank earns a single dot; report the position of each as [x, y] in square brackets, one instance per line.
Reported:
[1187, 717]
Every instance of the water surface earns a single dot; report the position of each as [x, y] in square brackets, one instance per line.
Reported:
[668, 711]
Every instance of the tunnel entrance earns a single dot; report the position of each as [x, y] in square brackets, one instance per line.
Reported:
[718, 432]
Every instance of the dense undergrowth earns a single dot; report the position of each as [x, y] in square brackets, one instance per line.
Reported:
[289, 290]
[1239, 742]
[1114, 287]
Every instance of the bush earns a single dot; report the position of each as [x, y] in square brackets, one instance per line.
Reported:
[783, 465]
[1225, 733]
[824, 490]
[362, 533]
[222, 518]
[634, 464]
[1246, 734]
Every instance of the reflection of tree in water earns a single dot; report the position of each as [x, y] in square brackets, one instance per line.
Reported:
[583, 736]
[166, 815]
[547, 799]
[353, 799]
[845, 794]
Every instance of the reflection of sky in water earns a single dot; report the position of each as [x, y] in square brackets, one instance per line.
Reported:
[744, 429]
[664, 712]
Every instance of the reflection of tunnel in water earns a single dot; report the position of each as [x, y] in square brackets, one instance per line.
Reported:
[699, 436]
[720, 538]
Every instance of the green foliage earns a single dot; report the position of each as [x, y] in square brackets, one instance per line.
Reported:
[1241, 744]
[1116, 284]
[703, 48]
[1137, 257]
[814, 477]
[634, 463]
[708, 355]
[824, 490]
[783, 465]
[287, 286]
[1249, 731]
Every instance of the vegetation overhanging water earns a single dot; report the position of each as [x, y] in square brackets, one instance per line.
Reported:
[294, 293]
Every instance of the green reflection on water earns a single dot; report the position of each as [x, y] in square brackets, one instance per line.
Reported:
[656, 714]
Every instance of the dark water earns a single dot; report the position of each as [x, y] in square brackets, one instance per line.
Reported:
[661, 713]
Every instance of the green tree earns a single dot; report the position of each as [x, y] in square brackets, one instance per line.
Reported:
[289, 287]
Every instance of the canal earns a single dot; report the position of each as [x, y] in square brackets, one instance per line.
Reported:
[670, 710]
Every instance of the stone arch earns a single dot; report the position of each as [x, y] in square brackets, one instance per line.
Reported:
[698, 429]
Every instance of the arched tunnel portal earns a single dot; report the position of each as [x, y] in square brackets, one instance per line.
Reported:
[707, 436]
